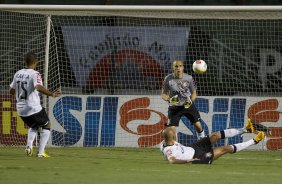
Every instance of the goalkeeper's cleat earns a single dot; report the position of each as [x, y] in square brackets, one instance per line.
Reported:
[249, 126]
[44, 155]
[259, 137]
[29, 151]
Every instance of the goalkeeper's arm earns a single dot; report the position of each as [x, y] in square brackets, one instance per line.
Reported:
[193, 96]
[191, 99]
[164, 96]
[171, 100]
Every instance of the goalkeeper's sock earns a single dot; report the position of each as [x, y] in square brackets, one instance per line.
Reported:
[201, 134]
[240, 146]
[231, 132]
[44, 137]
[30, 137]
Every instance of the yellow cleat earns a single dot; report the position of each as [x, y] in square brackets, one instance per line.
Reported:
[259, 137]
[249, 126]
[29, 151]
[44, 155]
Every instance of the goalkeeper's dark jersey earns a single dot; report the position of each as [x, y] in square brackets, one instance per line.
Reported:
[180, 87]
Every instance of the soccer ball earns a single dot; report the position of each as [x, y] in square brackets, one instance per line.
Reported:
[200, 66]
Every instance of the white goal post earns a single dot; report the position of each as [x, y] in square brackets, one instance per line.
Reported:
[110, 61]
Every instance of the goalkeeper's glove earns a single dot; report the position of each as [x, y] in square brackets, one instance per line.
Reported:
[173, 100]
[188, 103]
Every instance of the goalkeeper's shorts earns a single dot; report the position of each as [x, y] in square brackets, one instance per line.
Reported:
[176, 112]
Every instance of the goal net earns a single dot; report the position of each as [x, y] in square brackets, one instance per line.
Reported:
[110, 61]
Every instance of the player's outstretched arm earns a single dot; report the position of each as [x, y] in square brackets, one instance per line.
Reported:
[173, 160]
[45, 91]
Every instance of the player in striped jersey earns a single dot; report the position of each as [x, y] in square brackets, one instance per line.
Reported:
[202, 152]
[26, 86]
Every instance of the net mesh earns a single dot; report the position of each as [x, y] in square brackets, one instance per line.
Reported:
[110, 66]
[20, 33]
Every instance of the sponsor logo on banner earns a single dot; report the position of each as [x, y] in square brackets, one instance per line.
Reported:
[98, 54]
[268, 112]
[12, 129]
[137, 109]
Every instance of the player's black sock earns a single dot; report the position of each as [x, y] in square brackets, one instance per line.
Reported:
[234, 148]
[222, 134]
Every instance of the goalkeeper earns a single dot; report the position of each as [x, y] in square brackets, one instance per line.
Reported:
[180, 92]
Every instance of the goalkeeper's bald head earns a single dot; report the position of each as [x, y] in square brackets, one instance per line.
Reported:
[176, 62]
[178, 68]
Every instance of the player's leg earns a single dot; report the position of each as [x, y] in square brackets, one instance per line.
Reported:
[32, 132]
[174, 115]
[193, 115]
[218, 152]
[240, 146]
[44, 124]
[214, 137]
[44, 137]
[199, 129]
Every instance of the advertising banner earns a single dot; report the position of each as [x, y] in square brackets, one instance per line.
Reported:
[137, 121]
[97, 53]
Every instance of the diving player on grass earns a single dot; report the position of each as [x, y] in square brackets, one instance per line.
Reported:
[180, 92]
[26, 85]
[201, 152]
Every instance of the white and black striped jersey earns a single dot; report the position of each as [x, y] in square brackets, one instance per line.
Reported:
[28, 99]
[177, 150]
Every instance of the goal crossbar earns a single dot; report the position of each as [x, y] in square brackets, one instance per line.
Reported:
[191, 12]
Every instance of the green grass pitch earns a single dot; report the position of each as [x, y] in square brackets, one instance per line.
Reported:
[134, 166]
